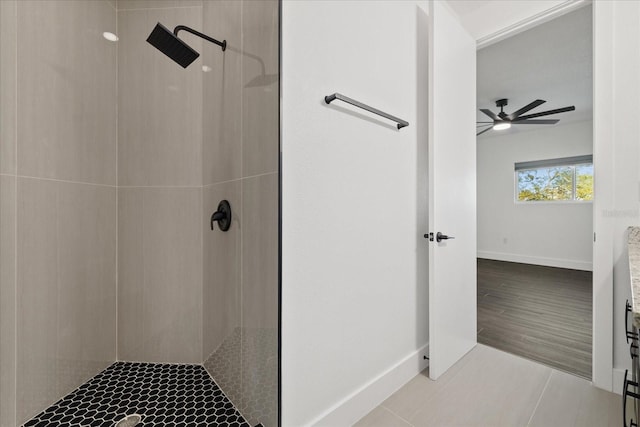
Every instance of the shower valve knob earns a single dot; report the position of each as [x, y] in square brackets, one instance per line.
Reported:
[222, 216]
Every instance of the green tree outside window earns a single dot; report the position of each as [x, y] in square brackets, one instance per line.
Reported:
[569, 182]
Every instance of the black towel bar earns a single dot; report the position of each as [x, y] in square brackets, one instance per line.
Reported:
[329, 98]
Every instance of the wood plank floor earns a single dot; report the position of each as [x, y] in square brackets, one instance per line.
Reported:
[541, 313]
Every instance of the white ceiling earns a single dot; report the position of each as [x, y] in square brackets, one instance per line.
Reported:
[486, 18]
[552, 61]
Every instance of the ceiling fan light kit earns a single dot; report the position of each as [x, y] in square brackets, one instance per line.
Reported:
[501, 126]
[502, 120]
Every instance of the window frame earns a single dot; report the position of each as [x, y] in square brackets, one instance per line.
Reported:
[549, 163]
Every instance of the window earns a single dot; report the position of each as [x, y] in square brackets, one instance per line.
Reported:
[566, 179]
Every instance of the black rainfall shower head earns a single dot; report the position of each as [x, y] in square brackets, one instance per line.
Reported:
[169, 43]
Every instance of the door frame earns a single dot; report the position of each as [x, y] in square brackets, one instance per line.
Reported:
[602, 285]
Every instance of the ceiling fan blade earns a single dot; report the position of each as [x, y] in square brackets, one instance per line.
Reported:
[483, 123]
[545, 113]
[487, 129]
[526, 108]
[536, 122]
[490, 114]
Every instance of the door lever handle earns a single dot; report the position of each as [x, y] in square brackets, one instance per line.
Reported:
[440, 237]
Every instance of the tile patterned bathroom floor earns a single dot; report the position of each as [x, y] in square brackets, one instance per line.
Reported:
[492, 388]
[245, 366]
[163, 395]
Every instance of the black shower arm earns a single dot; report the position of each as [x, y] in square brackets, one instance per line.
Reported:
[222, 44]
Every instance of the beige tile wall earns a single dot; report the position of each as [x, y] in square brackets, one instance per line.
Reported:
[259, 353]
[222, 267]
[66, 264]
[8, 46]
[7, 300]
[240, 163]
[57, 200]
[7, 212]
[222, 173]
[159, 104]
[259, 252]
[156, 4]
[160, 129]
[160, 274]
[260, 94]
[185, 128]
[222, 103]
[184, 140]
[66, 91]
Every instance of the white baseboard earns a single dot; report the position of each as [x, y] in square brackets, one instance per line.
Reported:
[618, 380]
[526, 259]
[359, 403]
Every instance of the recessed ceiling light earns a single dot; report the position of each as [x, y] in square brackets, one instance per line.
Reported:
[206, 68]
[110, 36]
[501, 126]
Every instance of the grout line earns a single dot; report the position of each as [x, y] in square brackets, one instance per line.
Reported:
[390, 411]
[203, 228]
[65, 181]
[158, 363]
[202, 236]
[15, 224]
[241, 232]
[144, 9]
[240, 179]
[58, 299]
[143, 282]
[159, 186]
[540, 398]
[117, 284]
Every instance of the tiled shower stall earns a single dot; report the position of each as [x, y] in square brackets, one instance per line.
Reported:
[112, 160]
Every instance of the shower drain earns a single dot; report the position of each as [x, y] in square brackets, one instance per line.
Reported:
[129, 421]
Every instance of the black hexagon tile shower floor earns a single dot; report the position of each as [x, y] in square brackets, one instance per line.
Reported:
[162, 395]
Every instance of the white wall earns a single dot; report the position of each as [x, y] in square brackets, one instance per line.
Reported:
[626, 160]
[353, 308]
[617, 174]
[553, 234]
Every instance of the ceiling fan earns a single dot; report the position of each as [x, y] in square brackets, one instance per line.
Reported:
[503, 120]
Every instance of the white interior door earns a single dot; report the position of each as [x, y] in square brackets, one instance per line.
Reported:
[452, 190]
